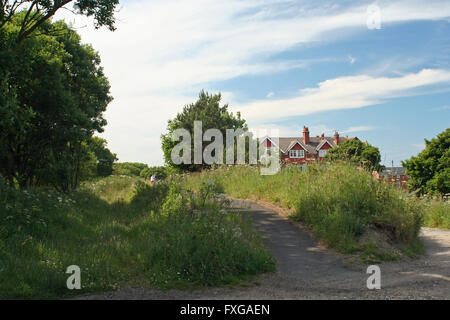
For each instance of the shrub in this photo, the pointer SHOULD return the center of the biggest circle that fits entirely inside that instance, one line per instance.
(129, 168)
(149, 197)
(160, 172)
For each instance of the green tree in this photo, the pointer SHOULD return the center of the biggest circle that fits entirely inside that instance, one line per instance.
(160, 172)
(104, 157)
(34, 13)
(429, 171)
(14, 121)
(213, 116)
(357, 152)
(55, 94)
(129, 168)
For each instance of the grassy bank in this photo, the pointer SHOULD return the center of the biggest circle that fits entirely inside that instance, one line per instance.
(436, 214)
(344, 206)
(121, 231)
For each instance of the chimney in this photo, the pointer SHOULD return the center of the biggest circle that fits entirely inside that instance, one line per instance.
(336, 138)
(305, 135)
(322, 136)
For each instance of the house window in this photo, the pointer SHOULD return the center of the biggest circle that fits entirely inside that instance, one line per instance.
(323, 153)
(296, 154)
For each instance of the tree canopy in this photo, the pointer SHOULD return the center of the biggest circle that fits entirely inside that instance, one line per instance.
(52, 97)
(357, 152)
(429, 171)
(213, 116)
(34, 13)
(129, 168)
(104, 157)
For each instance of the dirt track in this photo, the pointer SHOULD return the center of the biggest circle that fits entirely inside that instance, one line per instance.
(308, 271)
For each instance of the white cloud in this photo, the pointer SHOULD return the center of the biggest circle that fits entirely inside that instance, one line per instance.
(296, 131)
(316, 130)
(359, 129)
(395, 65)
(319, 129)
(163, 52)
(180, 43)
(274, 130)
(136, 123)
(343, 93)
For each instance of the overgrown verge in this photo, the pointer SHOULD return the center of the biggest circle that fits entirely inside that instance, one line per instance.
(436, 213)
(345, 207)
(121, 231)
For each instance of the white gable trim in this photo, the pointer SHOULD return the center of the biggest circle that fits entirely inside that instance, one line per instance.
(296, 142)
(322, 143)
(268, 138)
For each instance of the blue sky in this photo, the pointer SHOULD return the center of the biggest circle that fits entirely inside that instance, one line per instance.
(283, 64)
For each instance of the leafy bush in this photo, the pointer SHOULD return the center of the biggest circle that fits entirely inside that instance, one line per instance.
(160, 172)
(149, 197)
(430, 169)
(129, 168)
(357, 152)
(104, 157)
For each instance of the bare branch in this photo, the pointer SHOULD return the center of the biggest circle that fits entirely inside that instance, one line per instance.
(71, 10)
(36, 13)
(24, 22)
(26, 32)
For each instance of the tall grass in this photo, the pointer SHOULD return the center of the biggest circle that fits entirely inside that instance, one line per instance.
(115, 230)
(338, 201)
(437, 214)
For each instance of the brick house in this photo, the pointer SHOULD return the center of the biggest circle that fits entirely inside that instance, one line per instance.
(394, 175)
(303, 149)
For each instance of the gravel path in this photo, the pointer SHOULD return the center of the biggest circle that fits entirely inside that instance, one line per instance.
(308, 271)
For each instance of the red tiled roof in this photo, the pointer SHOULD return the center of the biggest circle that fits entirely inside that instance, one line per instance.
(285, 143)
